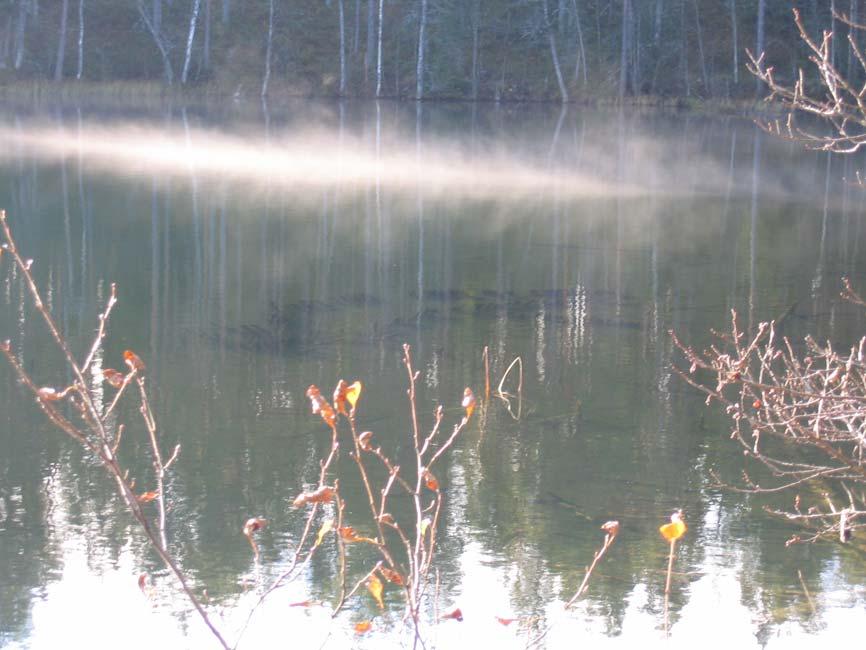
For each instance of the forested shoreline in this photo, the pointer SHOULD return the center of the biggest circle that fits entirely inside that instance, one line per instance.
(501, 50)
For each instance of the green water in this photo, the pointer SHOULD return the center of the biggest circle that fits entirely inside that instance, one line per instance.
(239, 293)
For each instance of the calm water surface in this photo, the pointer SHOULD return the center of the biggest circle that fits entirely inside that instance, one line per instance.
(241, 289)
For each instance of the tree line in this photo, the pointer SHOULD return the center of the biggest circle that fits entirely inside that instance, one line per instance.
(465, 49)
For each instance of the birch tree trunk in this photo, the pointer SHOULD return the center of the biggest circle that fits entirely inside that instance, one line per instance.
(193, 22)
(701, 49)
(624, 47)
(419, 70)
(371, 39)
(476, 19)
(61, 42)
(581, 53)
(759, 45)
(342, 48)
(80, 67)
(20, 29)
(268, 48)
(551, 41)
(160, 44)
(379, 48)
(356, 36)
(7, 42)
(157, 15)
(734, 41)
(657, 29)
(205, 63)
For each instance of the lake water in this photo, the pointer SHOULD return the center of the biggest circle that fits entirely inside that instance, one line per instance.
(255, 257)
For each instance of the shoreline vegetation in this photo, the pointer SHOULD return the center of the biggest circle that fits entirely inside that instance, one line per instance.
(155, 95)
(587, 52)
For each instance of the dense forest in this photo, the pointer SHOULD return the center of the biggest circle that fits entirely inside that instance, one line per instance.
(467, 49)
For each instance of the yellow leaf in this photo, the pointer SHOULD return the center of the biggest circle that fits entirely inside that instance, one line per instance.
(425, 524)
(326, 528)
(353, 393)
(375, 586)
(674, 530)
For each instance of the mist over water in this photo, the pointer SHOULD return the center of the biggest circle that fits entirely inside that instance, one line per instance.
(255, 259)
(584, 156)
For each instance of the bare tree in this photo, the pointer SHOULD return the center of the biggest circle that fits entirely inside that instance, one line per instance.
(268, 48)
(813, 403)
(735, 44)
(843, 105)
(20, 32)
(625, 44)
(422, 42)
(342, 47)
(379, 50)
(551, 41)
(79, 70)
(61, 42)
(160, 42)
(193, 22)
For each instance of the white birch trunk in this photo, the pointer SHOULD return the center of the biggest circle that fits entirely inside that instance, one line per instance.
(20, 29)
(759, 45)
(551, 40)
(206, 50)
(624, 45)
(356, 36)
(342, 48)
(157, 15)
(734, 41)
(61, 42)
(476, 19)
(580, 64)
(267, 78)
(419, 70)
(371, 39)
(701, 49)
(379, 48)
(160, 44)
(80, 68)
(193, 22)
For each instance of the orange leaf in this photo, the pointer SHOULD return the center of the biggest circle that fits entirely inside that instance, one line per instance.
(146, 497)
(340, 397)
(505, 621)
(133, 360)
(362, 627)
(321, 406)
(468, 402)
(676, 529)
(350, 535)
(302, 603)
(113, 377)
(611, 527)
(323, 495)
(142, 582)
(49, 394)
(391, 576)
(453, 613)
(364, 440)
(374, 585)
(430, 481)
(253, 525)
